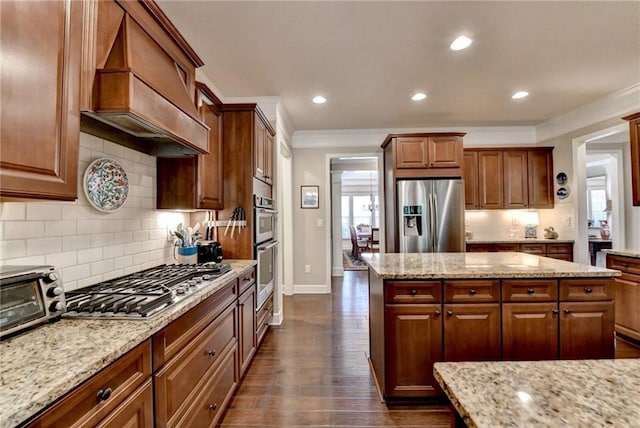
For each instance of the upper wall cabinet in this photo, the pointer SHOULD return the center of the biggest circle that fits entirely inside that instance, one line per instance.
(40, 69)
(263, 153)
(196, 182)
(634, 136)
(139, 77)
(509, 178)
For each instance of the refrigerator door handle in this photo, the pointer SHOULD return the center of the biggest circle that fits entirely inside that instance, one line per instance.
(431, 224)
(436, 222)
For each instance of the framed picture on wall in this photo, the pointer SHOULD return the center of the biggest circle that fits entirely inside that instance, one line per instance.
(309, 197)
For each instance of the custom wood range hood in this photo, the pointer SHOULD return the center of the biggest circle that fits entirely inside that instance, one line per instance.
(139, 80)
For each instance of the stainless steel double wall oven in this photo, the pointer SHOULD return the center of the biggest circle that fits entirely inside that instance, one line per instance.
(265, 246)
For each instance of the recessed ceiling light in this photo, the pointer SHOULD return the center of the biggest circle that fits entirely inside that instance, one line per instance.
(419, 96)
(520, 94)
(460, 43)
(319, 99)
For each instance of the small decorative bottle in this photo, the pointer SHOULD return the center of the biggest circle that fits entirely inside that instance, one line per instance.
(605, 233)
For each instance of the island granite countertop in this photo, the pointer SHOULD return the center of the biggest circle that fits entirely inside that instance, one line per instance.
(40, 366)
(477, 265)
(577, 393)
(625, 253)
(519, 241)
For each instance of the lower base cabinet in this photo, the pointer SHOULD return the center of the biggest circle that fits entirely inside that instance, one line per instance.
(247, 316)
(586, 330)
(264, 317)
(530, 331)
(135, 412)
(627, 292)
(472, 332)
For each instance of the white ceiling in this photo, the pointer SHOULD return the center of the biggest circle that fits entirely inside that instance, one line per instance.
(368, 57)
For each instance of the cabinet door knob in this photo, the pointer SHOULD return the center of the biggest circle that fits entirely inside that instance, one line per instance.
(555, 311)
(213, 407)
(472, 292)
(588, 290)
(414, 292)
(212, 353)
(104, 394)
(531, 291)
(437, 312)
(625, 264)
(567, 311)
(449, 313)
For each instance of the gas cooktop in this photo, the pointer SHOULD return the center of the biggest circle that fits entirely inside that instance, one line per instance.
(142, 294)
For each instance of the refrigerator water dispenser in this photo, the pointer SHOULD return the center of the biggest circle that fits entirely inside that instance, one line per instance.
(412, 220)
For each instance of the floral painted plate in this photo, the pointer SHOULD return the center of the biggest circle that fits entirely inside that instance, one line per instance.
(106, 185)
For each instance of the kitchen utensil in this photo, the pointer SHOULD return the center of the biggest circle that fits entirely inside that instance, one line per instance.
(196, 227)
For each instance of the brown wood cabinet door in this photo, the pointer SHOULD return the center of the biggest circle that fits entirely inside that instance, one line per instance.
(472, 332)
(627, 308)
(258, 149)
(490, 182)
(247, 316)
(413, 342)
(530, 331)
(540, 179)
(515, 179)
(412, 152)
(40, 99)
(634, 141)
(586, 330)
(470, 176)
(268, 157)
(444, 152)
(210, 166)
(135, 412)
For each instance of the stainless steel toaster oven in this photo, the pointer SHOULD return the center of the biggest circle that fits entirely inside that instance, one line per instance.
(29, 295)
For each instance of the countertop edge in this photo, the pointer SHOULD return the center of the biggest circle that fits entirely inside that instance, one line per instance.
(635, 254)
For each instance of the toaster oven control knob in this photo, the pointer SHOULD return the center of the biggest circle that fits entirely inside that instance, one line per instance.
(56, 307)
(54, 291)
(52, 277)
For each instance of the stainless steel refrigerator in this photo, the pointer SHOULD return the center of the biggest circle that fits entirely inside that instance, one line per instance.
(431, 215)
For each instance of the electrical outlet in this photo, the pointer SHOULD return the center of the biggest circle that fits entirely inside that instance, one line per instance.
(307, 268)
(170, 237)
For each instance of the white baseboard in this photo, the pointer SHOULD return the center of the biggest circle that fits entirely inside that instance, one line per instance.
(311, 289)
(277, 318)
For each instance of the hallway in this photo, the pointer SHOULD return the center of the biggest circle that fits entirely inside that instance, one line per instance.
(312, 371)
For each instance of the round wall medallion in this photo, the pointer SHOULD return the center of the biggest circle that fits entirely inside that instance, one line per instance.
(106, 185)
(561, 178)
(563, 193)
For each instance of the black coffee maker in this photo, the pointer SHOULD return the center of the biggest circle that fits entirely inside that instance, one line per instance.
(209, 251)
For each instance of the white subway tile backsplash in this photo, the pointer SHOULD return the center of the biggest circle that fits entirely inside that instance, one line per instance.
(13, 211)
(60, 228)
(87, 245)
(50, 211)
(62, 260)
(36, 247)
(90, 255)
(23, 229)
(12, 249)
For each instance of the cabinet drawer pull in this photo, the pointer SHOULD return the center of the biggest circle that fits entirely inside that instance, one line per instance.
(472, 292)
(437, 312)
(588, 290)
(212, 353)
(531, 291)
(555, 311)
(104, 394)
(213, 407)
(449, 313)
(567, 311)
(414, 292)
(624, 264)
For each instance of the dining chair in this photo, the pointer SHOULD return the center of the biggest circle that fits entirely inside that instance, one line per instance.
(357, 245)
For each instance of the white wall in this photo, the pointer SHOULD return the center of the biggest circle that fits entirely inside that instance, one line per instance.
(90, 246)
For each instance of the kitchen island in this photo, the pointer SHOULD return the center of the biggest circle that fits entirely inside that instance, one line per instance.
(40, 366)
(583, 393)
(427, 308)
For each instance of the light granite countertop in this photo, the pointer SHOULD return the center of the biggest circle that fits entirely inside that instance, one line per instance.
(520, 241)
(626, 253)
(39, 366)
(477, 265)
(579, 393)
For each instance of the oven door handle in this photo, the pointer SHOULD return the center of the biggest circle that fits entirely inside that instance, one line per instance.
(267, 247)
(266, 210)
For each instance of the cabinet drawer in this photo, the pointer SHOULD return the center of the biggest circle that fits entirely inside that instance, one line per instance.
(467, 291)
(208, 407)
(624, 264)
(82, 408)
(506, 247)
(576, 290)
(265, 314)
(529, 290)
(480, 248)
(559, 249)
(559, 256)
(174, 337)
(532, 248)
(176, 382)
(247, 279)
(413, 292)
(135, 412)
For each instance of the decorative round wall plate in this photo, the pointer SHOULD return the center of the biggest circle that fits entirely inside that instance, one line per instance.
(106, 185)
(563, 193)
(561, 178)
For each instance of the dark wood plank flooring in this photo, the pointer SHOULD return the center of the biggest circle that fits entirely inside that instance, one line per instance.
(312, 371)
